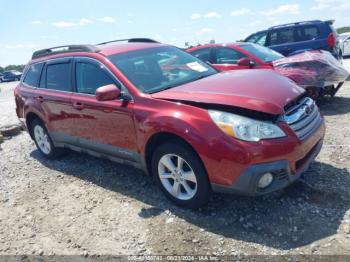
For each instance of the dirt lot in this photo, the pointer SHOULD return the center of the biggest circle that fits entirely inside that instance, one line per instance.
(87, 206)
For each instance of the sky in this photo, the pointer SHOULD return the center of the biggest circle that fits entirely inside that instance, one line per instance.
(29, 25)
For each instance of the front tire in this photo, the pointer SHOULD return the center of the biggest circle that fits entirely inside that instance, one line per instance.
(181, 175)
(43, 140)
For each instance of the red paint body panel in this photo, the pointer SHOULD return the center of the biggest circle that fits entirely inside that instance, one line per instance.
(130, 125)
(259, 90)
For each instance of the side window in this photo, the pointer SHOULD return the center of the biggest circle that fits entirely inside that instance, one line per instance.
(58, 77)
(202, 54)
(307, 33)
(33, 75)
(89, 77)
(228, 56)
(282, 36)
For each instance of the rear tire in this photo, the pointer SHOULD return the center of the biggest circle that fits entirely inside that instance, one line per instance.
(181, 175)
(43, 140)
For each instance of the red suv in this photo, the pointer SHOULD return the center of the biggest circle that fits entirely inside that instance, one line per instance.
(158, 108)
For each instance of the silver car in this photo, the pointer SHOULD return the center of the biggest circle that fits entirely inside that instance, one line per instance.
(344, 40)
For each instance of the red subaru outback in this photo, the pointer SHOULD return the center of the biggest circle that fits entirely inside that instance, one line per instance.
(161, 109)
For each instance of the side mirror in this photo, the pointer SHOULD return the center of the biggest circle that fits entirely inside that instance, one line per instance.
(245, 61)
(108, 92)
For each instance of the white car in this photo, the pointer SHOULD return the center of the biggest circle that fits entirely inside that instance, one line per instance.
(344, 40)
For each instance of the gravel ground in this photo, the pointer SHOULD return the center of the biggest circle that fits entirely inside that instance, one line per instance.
(7, 105)
(88, 206)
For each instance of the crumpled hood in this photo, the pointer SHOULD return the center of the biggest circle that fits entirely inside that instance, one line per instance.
(259, 90)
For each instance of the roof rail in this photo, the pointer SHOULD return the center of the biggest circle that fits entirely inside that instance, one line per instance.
(296, 23)
(64, 49)
(131, 40)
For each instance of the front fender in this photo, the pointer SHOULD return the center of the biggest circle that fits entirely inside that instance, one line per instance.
(177, 123)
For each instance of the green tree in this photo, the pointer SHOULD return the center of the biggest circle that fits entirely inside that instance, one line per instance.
(14, 68)
(343, 29)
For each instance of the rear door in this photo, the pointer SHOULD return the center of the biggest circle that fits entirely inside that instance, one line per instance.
(103, 126)
(54, 94)
(282, 40)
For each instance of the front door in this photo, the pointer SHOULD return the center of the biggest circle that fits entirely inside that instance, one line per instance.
(227, 59)
(103, 126)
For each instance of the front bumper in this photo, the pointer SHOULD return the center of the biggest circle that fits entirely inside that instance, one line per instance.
(247, 182)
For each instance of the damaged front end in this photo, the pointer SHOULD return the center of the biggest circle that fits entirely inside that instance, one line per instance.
(318, 72)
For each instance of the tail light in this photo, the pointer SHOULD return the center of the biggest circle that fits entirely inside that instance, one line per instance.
(331, 40)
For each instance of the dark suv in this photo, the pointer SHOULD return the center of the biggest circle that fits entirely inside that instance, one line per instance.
(294, 38)
(9, 76)
(161, 109)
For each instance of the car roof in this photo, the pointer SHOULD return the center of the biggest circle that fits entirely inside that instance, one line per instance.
(310, 22)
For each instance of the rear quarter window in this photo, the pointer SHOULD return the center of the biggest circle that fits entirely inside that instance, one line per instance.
(33, 75)
(307, 33)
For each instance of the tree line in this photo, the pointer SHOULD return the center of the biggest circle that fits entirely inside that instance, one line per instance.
(12, 68)
(344, 29)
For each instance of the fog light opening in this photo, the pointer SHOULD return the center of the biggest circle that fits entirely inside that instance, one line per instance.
(265, 180)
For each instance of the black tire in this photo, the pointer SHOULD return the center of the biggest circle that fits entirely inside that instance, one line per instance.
(54, 152)
(203, 189)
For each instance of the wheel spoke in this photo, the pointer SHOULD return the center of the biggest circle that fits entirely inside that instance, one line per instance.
(166, 176)
(176, 189)
(180, 163)
(168, 163)
(190, 176)
(187, 188)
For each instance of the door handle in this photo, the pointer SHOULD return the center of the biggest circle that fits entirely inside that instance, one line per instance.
(78, 105)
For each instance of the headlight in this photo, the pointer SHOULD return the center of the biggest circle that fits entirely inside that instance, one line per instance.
(245, 128)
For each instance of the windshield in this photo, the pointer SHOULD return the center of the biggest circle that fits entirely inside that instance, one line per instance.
(155, 69)
(263, 53)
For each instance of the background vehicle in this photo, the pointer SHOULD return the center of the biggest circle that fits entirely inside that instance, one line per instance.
(9, 76)
(234, 56)
(344, 40)
(294, 38)
(161, 109)
(316, 71)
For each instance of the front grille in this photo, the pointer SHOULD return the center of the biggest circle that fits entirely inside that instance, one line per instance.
(303, 117)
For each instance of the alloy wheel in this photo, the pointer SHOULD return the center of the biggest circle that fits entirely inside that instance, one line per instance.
(42, 139)
(177, 177)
